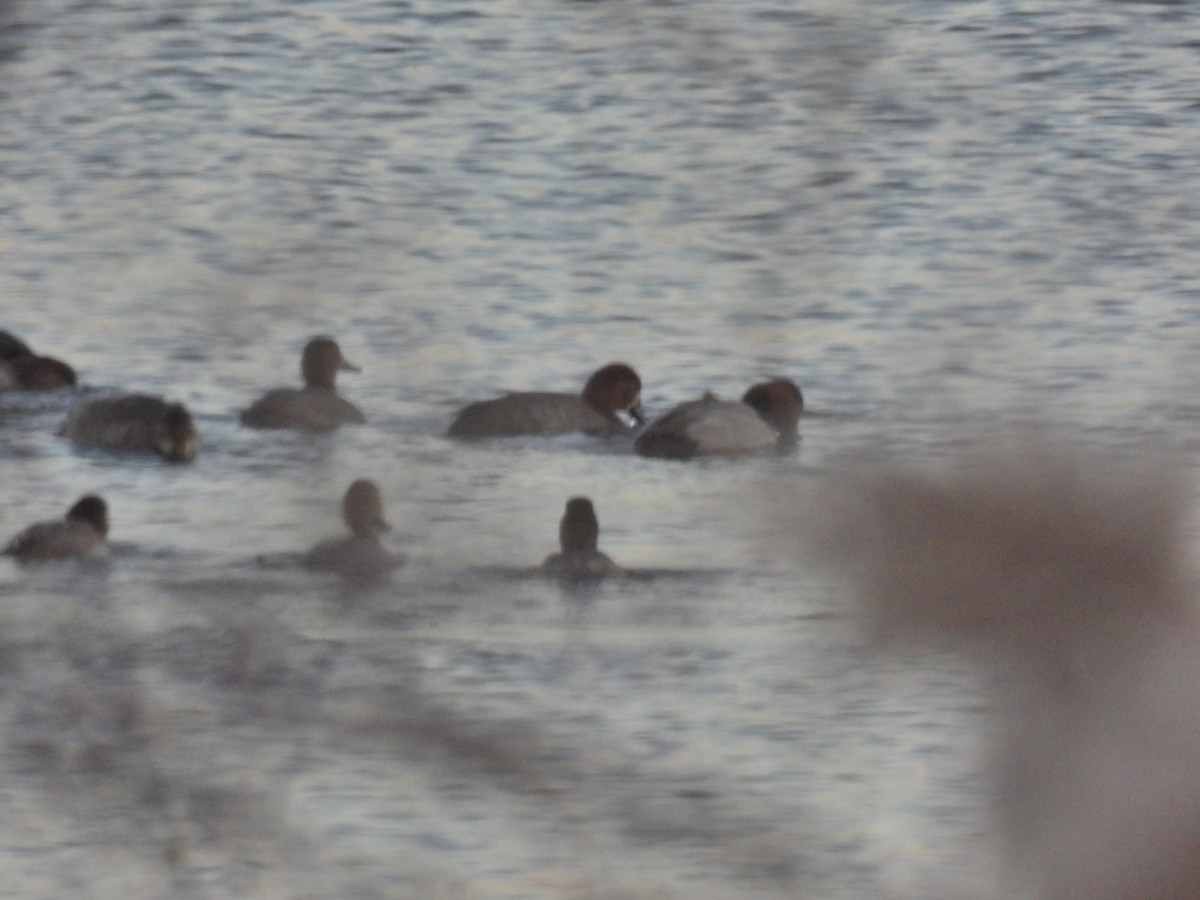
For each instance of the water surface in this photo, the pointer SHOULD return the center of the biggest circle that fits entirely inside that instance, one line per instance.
(937, 219)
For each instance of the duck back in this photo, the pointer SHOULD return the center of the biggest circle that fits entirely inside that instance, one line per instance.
(36, 373)
(580, 565)
(56, 540)
(529, 412)
(12, 346)
(81, 533)
(354, 558)
(137, 422)
(310, 408)
(706, 427)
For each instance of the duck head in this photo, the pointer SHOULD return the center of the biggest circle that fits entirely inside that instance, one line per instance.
(321, 362)
(615, 387)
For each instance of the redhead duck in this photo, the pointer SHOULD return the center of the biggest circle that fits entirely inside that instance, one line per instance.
(578, 532)
(616, 387)
(21, 368)
(137, 422)
(360, 555)
(314, 407)
(766, 417)
(81, 533)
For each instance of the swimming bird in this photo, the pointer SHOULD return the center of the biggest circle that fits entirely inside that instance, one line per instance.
(766, 417)
(36, 373)
(611, 389)
(578, 534)
(360, 555)
(12, 346)
(81, 533)
(21, 368)
(314, 407)
(136, 422)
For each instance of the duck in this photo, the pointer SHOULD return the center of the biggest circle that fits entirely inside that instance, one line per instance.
(314, 407)
(578, 534)
(766, 417)
(360, 555)
(81, 533)
(12, 346)
(136, 422)
(611, 389)
(22, 369)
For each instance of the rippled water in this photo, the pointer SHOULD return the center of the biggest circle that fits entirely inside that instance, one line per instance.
(937, 218)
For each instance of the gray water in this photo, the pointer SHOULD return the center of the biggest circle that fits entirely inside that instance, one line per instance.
(940, 219)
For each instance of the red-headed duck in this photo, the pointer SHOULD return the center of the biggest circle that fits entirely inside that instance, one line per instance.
(578, 533)
(610, 390)
(360, 555)
(136, 422)
(81, 533)
(23, 369)
(766, 417)
(314, 407)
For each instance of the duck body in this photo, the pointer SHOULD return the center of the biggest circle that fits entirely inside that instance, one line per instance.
(578, 559)
(12, 346)
(308, 409)
(360, 555)
(580, 565)
(705, 427)
(22, 369)
(315, 407)
(611, 389)
(529, 412)
(135, 422)
(81, 533)
(35, 373)
(353, 557)
(765, 418)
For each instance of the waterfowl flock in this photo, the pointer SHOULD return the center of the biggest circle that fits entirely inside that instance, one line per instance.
(610, 404)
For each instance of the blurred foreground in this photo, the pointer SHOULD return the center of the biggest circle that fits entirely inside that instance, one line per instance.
(1067, 578)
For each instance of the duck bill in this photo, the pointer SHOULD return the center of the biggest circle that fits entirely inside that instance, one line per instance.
(346, 366)
(637, 413)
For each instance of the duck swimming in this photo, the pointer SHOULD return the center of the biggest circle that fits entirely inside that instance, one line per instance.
(135, 422)
(81, 533)
(359, 556)
(766, 417)
(12, 346)
(314, 407)
(22, 369)
(578, 534)
(611, 389)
